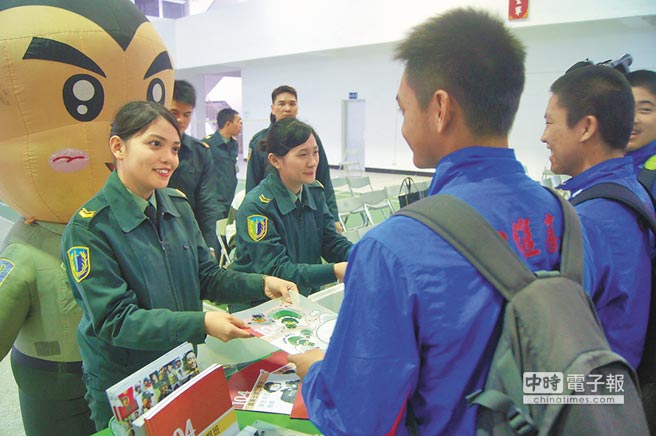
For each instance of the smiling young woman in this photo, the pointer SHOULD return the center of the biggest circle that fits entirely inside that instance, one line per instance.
(284, 226)
(138, 264)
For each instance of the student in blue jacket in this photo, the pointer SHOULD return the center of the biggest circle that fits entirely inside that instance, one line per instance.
(642, 142)
(417, 324)
(589, 119)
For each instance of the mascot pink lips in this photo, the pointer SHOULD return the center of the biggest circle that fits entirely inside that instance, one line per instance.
(68, 160)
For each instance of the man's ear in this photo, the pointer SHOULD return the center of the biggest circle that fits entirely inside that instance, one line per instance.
(117, 147)
(589, 126)
(442, 105)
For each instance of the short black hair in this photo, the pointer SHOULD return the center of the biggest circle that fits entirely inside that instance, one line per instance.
(602, 92)
(225, 115)
(474, 57)
(134, 117)
(644, 79)
(281, 90)
(287, 134)
(184, 92)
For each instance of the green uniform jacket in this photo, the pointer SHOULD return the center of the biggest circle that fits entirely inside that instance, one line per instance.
(258, 163)
(225, 167)
(275, 237)
(195, 177)
(141, 296)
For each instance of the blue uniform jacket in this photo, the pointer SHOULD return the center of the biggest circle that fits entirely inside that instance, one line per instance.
(624, 309)
(417, 319)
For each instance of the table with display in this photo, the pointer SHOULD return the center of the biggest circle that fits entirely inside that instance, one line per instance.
(235, 352)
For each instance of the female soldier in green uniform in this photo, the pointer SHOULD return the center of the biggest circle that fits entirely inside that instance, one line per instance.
(284, 226)
(140, 276)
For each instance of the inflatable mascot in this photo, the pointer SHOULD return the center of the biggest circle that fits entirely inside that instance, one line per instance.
(66, 66)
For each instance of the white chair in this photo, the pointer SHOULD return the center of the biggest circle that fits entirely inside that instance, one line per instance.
(341, 187)
(349, 206)
(360, 184)
(393, 197)
(224, 257)
(377, 201)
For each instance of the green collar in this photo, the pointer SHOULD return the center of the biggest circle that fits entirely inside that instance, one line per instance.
(225, 139)
(284, 197)
(125, 207)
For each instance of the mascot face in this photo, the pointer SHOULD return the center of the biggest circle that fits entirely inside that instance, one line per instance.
(66, 66)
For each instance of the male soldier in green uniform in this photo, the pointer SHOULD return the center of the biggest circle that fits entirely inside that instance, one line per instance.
(224, 149)
(195, 175)
(284, 105)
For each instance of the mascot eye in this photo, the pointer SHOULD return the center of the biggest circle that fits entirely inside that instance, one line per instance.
(83, 97)
(156, 91)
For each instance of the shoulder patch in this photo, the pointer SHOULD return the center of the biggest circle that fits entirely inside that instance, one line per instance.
(6, 267)
(86, 213)
(205, 144)
(257, 227)
(80, 262)
(263, 199)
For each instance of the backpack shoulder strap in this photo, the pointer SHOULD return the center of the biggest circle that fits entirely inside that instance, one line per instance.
(647, 177)
(621, 194)
(470, 234)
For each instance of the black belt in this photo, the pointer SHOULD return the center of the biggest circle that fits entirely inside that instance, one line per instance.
(45, 365)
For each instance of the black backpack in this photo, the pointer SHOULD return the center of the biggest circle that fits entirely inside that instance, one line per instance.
(647, 368)
(549, 325)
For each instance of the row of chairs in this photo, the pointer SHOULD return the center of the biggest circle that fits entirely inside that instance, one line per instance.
(350, 186)
(367, 207)
(356, 198)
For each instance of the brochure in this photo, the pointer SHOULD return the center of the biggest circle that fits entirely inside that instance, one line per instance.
(241, 383)
(274, 393)
(294, 328)
(201, 407)
(133, 396)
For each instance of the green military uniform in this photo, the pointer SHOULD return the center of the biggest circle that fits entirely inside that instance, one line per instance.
(225, 167)
(277, 237)
(195, 177)
(39, 316)
(258, 163)
(140, 293)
